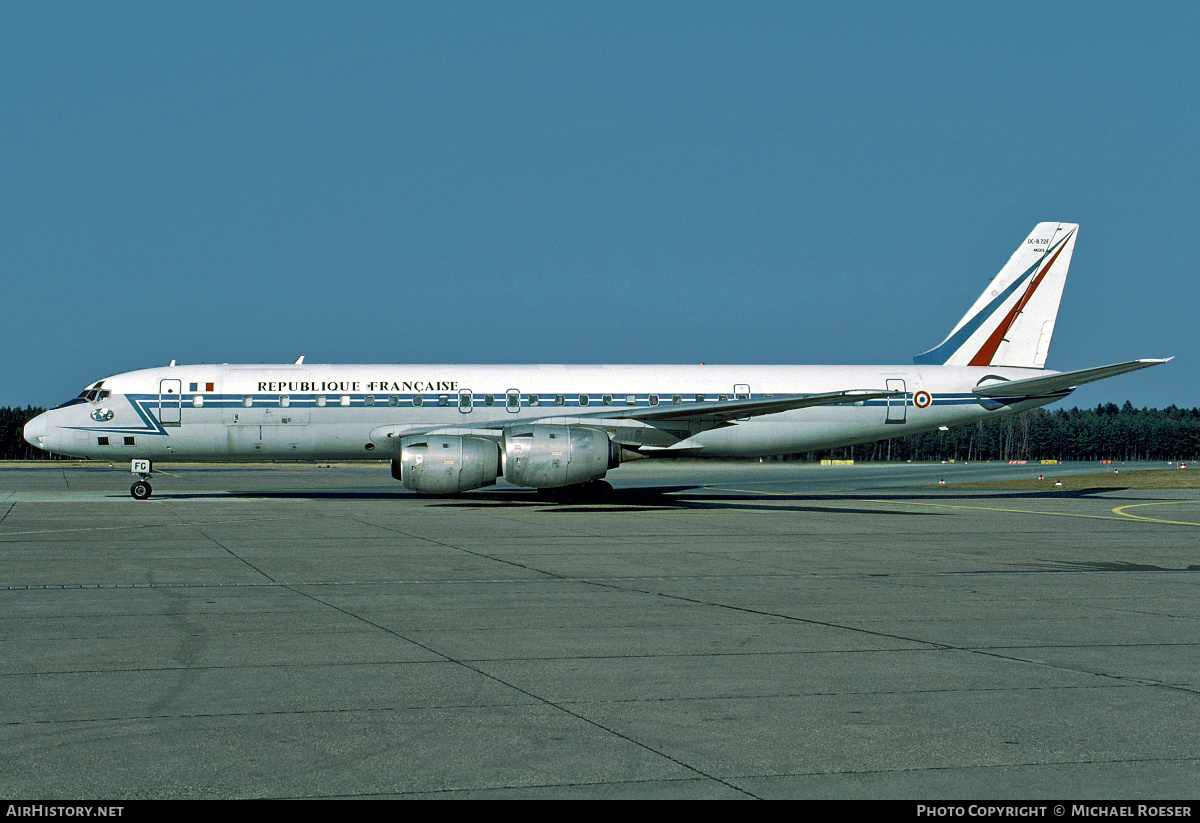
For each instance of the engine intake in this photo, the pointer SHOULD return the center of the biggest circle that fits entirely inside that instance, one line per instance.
(551, 457)
(432, 464)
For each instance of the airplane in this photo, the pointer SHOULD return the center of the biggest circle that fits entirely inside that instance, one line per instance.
(561, 428)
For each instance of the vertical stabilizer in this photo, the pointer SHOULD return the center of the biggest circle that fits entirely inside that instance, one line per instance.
(1012, 321)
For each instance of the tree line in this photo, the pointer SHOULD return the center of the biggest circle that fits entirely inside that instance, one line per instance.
(12, 442)
(1103, 433)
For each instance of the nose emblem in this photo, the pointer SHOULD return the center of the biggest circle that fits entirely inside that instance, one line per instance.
(101, 415)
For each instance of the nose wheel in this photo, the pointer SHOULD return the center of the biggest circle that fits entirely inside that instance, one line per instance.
(140, 490)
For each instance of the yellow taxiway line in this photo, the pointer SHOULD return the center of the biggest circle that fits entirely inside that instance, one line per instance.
(1119, 511)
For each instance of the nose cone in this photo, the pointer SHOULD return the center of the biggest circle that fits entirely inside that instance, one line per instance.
(35, 431)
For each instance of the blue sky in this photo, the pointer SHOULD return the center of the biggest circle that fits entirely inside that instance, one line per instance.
(587, 183)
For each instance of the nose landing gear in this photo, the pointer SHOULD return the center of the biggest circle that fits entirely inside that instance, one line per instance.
(141, 489)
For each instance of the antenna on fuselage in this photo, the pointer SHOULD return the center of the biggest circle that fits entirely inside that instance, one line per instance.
(299, 360)
(172, 363)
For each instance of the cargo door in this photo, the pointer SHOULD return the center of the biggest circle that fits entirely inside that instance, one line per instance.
(268, 423)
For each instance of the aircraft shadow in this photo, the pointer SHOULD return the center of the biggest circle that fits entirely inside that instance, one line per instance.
(694, 497)
(655, 498)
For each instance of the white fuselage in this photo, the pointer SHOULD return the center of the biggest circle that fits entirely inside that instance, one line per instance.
(346, 412)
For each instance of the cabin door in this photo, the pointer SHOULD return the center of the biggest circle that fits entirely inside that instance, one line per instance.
(169, 402)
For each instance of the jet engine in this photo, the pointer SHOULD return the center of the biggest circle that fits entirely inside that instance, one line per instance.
(553, 457)
(436, 464)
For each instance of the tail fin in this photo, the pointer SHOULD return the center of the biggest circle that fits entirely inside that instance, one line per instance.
(1012, 321)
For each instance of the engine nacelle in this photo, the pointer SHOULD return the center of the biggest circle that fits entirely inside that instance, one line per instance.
(440, 464)
(551, 457)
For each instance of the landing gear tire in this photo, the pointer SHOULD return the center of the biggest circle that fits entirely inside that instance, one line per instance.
(595, 491)
(567, 494)
(141, 490)
(598, 491)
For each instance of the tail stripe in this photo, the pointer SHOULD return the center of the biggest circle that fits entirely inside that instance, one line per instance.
(985, 354)
(939, 355)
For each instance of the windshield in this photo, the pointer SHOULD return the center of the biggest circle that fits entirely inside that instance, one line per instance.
(94, 395)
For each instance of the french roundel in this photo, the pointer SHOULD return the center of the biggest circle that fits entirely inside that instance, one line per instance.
(922, 400)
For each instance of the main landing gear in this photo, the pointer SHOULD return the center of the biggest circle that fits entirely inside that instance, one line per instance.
(141, 490)
(595, 491)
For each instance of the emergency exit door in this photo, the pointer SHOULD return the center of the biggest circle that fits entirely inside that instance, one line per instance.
(897, 405)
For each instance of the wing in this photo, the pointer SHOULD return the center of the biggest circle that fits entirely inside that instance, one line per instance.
(725, 410)
(1062, 381)
(702, 416)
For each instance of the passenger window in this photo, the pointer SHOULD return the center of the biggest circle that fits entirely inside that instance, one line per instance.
(464, 400)
(677, 400)
(284, 400)
(533, 400)
(197, 401)
(393, 400)
(699, 398)
(722, 397)
(654, 400)
(418, 399)
(443, 400)
(345, 401)
(630, 400)
(369, 400)
(607, 400)
(489, 400)
(512, 400)
(248, 400)
(583, 399)
(559, 400)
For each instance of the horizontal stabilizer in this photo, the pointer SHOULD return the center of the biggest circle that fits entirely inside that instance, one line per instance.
(1062, 381)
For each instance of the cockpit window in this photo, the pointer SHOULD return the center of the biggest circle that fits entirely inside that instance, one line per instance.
(75, 401)
(91, 395)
